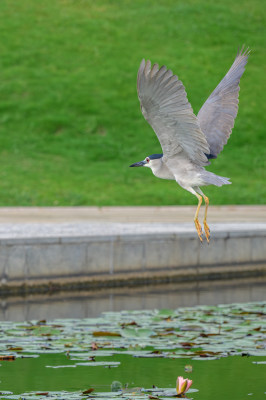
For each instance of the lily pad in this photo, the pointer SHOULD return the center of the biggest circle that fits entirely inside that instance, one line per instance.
(204, 332)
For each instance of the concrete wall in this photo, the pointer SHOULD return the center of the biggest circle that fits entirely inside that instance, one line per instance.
(133, 254)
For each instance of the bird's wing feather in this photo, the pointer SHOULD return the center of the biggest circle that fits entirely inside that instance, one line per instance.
(165, 106)
(217, 115)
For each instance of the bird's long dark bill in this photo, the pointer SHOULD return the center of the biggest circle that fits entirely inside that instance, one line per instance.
(138, 164)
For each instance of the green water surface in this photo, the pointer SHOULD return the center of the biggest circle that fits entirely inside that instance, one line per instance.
(235, 377)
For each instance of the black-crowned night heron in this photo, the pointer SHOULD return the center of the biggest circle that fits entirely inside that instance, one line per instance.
(188, 142)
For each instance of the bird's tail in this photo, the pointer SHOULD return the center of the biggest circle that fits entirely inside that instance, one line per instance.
(212, 179)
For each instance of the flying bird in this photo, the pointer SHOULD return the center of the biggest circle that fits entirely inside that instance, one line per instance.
(188, 141)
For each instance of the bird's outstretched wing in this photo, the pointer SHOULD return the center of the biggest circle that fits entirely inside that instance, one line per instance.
(165, 106)
(217, 115)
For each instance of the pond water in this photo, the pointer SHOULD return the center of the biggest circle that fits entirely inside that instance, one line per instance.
(221, 348)
(235, 378)
(85, 304)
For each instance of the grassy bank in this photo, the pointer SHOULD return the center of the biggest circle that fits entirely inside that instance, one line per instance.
(70, 122)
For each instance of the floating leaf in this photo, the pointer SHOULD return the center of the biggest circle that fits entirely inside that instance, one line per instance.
(103, 333)
(219, 331)
(116, 386)
(137, 333)
(15, 348)
(60, 366)
(88, 391)
(7, 357)
(100, 364)
(188, 368)
(259, 362)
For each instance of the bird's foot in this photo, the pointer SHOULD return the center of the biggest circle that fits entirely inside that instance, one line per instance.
(207, 231)
(198, 228)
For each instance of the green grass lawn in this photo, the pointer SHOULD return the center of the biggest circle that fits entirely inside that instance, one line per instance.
(70, 122)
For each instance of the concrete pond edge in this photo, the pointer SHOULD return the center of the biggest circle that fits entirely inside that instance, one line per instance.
(42, 258)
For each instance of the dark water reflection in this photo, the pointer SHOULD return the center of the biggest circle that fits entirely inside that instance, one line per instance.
(85, 304)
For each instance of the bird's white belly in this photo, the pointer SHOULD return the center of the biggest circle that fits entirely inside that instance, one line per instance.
(185, 172)
(182, 170)
(189, 180)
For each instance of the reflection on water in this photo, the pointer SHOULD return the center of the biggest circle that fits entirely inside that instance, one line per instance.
(85, 304)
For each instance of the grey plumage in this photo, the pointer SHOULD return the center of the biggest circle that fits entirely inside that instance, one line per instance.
(217, 115)
(188, 142)
(165, 106)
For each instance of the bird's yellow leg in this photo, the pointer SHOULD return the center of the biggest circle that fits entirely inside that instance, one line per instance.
(196, 219)
(206, 226)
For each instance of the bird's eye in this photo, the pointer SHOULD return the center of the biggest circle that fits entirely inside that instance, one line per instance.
(147, 159)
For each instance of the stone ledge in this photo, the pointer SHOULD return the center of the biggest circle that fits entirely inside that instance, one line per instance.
(123, 253)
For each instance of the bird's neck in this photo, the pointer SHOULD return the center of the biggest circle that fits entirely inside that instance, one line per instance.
(160, 170)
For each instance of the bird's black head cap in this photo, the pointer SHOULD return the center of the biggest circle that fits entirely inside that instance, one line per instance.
(154, 156)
